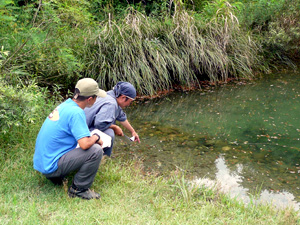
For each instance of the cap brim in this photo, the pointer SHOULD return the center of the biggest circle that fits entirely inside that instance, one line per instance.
(130, 98)
(101, 93)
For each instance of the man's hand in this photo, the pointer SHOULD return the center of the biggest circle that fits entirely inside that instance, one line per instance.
(87, 142)
(100, 142)
(136, 137)
(128, 126)
(118, 131)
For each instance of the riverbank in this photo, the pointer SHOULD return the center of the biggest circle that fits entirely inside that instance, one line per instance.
(128, 197)
(205, 85)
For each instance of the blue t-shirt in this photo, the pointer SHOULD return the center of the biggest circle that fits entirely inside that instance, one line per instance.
(59, 135)
(104, 113)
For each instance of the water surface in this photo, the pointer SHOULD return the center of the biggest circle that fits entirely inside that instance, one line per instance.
(245, 137)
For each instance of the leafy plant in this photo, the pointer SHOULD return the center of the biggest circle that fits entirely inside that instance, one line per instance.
(258, 13)
(6, 15)
(21, 104)
(3, 55)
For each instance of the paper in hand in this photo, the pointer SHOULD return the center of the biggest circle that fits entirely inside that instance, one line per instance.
(127, 139)
(132, 138)
(104, 137)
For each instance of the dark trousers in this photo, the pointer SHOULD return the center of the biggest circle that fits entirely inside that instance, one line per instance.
(111, 133)
(85, 162)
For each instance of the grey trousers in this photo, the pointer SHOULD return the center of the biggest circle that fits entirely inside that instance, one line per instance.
(85, 162)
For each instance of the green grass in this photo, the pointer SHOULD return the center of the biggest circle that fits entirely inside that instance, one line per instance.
(128, 196)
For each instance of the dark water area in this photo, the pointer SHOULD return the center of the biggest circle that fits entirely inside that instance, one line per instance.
(242, 138)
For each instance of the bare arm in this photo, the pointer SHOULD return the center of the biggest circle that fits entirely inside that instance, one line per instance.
(87, 142)
(118, 130)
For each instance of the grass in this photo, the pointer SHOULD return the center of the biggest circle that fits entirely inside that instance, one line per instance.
(128, 196)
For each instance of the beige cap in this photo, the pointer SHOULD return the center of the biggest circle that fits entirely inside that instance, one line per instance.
(89, 87)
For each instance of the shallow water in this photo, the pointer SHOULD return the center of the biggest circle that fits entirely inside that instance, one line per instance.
(244, 137)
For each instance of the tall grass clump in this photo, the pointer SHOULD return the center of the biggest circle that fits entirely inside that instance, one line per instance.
(181, 48)
(232, 52)
(135, 50)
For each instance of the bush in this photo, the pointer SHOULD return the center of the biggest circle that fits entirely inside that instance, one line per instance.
(258, 13)
(22, 104)
(276, 26)
(282, 40)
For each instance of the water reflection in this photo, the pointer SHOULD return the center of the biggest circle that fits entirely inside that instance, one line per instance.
(230, 181)
(254, 127)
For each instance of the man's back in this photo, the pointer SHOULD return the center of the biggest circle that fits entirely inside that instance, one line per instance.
(58, 135)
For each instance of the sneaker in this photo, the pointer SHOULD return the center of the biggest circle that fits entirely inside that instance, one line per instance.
(83, 193)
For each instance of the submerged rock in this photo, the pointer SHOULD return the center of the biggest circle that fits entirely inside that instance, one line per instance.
(226, 148)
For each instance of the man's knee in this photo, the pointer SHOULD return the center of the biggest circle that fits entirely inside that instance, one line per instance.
(111, 133)
(97, 151)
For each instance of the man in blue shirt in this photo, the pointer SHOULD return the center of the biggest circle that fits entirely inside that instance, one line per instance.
(106, 111)
(56, 152)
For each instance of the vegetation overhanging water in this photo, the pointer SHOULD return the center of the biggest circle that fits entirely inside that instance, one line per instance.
(246, 137)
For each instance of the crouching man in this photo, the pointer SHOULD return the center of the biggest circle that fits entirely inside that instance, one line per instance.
(56, 152)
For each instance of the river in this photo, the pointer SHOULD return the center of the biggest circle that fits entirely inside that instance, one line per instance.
(242, 138)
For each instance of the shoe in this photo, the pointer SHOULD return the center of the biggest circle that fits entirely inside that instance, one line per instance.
(82, 193)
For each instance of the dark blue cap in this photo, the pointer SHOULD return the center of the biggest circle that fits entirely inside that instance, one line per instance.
(124, 88)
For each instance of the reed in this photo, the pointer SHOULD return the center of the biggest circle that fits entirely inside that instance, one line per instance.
(131, 51)
(178, 47)
(155, 55)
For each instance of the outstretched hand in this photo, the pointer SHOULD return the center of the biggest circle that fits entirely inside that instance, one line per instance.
(136, 137)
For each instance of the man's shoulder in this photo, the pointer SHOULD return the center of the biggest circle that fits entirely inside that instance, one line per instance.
(70, 107)
(108, 100)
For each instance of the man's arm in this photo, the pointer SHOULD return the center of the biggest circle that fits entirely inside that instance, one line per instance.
(118, 130)
(87, 142)
(128, 126)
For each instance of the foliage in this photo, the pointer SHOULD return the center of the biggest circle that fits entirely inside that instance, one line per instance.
(21, 104)
(153, 44)
(73, 13)
(282, 40)
(276, 26)
(45, 43)
(6, 15)
(258, 13)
